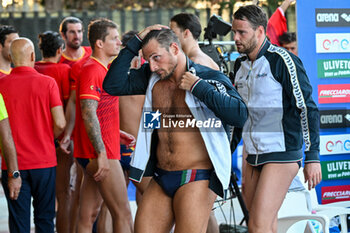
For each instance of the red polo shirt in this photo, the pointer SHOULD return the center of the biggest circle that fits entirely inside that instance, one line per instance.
(29, 97)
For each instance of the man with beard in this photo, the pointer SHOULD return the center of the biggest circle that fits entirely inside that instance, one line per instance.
(71, 30)
(75, 55)
(189, 165)
(274, 85)
(7, 35)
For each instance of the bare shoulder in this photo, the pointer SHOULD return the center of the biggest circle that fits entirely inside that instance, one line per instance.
(203, 59)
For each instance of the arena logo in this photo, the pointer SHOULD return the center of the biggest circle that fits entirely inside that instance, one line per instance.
(335, 194)
(334, 93)
(334, 144)
(332, 42)
(335, 118)
(332, 119)
(332, 17)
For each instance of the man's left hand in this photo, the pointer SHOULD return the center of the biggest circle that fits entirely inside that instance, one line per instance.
(187, 81)
(312, 174)
(14, 186)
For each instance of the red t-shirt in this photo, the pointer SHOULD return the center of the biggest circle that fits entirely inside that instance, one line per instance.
(29, 97)
(60, 72)
(89, 86)
(70, 61)
(75, 72)
(3, 73)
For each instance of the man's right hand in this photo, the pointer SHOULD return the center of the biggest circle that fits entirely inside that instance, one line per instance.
(64, 144)
(102, 167)
(145, 31)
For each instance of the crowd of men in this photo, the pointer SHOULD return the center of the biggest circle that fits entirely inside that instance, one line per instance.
(72, 126)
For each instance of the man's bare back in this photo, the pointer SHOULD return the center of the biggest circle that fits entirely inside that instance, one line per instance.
(175, 150)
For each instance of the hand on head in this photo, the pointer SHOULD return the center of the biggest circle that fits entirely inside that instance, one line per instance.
(145, 31)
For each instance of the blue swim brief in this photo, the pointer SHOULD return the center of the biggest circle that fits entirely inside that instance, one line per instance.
(171, 181)
(125, 156)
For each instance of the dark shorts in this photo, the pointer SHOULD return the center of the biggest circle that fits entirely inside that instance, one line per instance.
(259, 167)
(125, 156)
(83, 162)
(171, 181)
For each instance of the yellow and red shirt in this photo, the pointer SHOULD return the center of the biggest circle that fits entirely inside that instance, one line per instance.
(89, 86)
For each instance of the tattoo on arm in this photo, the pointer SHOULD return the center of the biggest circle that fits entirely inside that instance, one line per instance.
(92, 125)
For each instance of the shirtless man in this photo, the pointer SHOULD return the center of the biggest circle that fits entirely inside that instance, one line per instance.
(194, 154)
(188, 29)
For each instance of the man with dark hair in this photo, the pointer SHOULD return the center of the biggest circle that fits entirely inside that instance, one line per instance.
(274, 85)
(288, 40)
(190, 164)
(36, 118)
(51, 46)
(75, 55)
(71, 29)
(188, 29)
(96, 135)
(7, 35)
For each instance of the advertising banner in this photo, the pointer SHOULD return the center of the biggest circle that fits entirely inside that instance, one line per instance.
(338, 118)
(334, 144)
(335, 194)
(333, 68)
(334, 93)
(332, 17)
(332, 170)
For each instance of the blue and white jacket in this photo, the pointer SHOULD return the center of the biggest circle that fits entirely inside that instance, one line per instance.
(282, 113)
(212, 97)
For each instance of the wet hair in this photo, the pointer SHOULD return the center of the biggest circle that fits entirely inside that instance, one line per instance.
(66, 21)
(253, 14)
(127, 36)
(49, 42)
(98, 30)
(4, 31)
(287, 37)
(188, 21)
(165, 37)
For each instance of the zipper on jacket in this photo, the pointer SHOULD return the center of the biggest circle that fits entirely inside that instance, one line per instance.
(251, 120)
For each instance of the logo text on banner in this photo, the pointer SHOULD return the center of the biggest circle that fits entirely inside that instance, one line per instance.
(332, 17)
(337, 118)
(333, 68)
(332, 170)
(334, 93)
(332, 42)
(335, 194)
(335, 144)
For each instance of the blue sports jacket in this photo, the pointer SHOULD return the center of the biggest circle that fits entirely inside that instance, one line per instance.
(212, 97)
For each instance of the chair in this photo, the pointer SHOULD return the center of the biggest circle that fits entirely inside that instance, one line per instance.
(294, 214)
(323, 213)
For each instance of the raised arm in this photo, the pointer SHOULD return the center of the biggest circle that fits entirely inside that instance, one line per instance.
(220, 97)
(120, 79)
